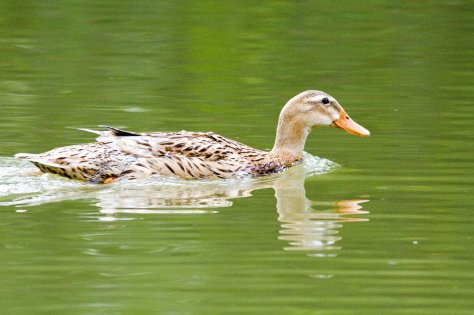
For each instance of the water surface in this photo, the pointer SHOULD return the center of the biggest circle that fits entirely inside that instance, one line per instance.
(387, 230)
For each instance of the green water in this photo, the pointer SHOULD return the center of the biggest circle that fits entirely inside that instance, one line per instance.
(388, 230)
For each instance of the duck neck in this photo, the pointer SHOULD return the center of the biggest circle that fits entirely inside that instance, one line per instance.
(290, 140)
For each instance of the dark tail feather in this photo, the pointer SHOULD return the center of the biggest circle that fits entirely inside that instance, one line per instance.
(115, 131)
(121, 133)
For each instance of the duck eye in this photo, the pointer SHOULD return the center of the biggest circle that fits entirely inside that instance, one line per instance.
(325, 100)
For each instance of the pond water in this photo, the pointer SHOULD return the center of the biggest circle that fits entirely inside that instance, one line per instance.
(367, 225)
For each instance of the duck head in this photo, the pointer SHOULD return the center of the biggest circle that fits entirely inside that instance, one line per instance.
(315, 108)
(304, 112)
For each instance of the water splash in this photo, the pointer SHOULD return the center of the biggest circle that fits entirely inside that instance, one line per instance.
(314, 165)
(20, 178)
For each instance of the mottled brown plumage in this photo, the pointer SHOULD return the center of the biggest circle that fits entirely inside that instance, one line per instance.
(121, 154)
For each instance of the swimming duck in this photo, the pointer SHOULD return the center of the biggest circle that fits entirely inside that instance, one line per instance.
(119, 154)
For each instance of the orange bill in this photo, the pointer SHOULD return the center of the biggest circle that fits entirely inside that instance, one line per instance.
(346, 123)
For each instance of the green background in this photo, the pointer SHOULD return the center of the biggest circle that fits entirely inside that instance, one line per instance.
(402, 69)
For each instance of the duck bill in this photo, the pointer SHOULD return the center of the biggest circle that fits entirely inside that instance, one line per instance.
(346, 123)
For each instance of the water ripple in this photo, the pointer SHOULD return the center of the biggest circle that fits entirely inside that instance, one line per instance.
(302, 227)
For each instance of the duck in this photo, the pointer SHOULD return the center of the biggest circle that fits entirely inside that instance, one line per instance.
(125, 155)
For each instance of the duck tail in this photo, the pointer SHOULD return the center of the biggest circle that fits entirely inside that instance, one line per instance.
(25, 156)
(35, 159)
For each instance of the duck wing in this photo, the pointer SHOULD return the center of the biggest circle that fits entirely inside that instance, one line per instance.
(183, 154)
(119, 153)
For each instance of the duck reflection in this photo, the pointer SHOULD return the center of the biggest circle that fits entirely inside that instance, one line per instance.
(305, 224)
(308, 229)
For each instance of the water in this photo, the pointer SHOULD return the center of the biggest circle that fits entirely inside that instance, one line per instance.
(387, 228)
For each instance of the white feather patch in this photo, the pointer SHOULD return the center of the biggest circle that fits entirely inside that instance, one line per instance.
(319, 98)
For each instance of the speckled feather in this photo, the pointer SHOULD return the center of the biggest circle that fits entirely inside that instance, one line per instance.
(123, 154)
